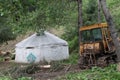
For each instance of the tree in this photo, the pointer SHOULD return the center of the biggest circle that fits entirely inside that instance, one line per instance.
(79, 14)
(79, 19)
(90, 12)
(80, 22)
(111, 25)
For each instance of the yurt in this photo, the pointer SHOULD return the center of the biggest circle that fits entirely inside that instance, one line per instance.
(46, 47)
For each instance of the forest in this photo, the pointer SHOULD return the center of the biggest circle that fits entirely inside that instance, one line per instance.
(20, 17)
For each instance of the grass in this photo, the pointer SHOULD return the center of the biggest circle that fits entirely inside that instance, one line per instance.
(73, 59)
(9, 78)
(96, 73)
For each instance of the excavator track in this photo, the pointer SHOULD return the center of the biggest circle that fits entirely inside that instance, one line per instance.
(84, 61)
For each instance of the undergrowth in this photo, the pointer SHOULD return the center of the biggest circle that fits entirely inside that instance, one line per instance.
(9, 78)
(73, 59)
(96, 73)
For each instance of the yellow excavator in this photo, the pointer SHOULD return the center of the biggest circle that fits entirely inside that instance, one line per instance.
(96, 46)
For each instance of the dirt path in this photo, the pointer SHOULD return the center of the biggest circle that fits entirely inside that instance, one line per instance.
(18, 70)
(53, 75)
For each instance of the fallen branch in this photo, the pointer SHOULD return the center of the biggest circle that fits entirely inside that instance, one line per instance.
(67, 69)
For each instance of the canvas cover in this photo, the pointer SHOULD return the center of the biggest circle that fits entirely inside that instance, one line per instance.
(38, 41)
(47, 47)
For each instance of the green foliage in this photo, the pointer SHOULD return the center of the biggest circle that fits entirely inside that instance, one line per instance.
(24, 15)
(114, 6)
(35, 13)
(25, 78)
(73, 43)
(9, 78)
(71, 36)
(73, 59)
(6, 34)
(5, 78)
(96, 73)
(90, 15)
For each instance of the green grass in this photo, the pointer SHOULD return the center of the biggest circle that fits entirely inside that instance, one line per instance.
(73, 59)
(9, 78)
(96, 73)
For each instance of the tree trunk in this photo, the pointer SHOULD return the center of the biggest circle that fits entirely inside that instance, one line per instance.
(79, 13)
(111, 25)
(79, 19)
(99, 20)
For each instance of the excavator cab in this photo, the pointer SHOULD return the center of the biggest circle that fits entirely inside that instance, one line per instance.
(96, 45)
(92, 35)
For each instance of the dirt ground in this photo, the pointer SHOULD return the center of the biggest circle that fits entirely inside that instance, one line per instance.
(37, 73)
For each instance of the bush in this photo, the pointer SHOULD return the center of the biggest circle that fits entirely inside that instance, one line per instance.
(6, 34)
(71, 36)
(96, 73)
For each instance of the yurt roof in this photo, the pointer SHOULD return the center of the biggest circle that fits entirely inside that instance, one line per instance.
(37, 41)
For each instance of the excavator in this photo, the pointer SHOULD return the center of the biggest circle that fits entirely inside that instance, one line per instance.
(96, 46)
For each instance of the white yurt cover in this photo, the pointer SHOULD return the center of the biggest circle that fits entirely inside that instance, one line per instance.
(47, 47)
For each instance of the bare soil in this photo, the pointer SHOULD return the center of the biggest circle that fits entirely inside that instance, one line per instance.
(17, 70)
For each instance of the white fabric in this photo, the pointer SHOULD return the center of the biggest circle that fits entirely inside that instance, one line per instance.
(45, 48)
(37, 41)
(22, 54)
